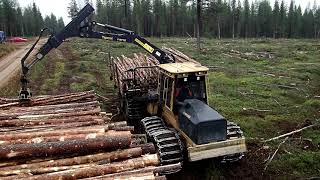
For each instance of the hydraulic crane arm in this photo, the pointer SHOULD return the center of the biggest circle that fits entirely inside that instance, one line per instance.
(73, 29)
(124, 35)
(81, 27)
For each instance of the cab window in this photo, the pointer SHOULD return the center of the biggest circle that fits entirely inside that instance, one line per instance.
(197, 86)
(167, 91)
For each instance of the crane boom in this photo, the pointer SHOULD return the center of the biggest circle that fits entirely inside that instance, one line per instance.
(81, 27)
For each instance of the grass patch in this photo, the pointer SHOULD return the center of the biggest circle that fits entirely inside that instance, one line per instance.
(5, 49)
(51, 83)
(302, 164)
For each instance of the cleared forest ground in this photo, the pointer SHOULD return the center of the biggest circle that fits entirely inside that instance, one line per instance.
(269, 87)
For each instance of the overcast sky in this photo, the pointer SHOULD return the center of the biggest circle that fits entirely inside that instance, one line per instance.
(59, 7)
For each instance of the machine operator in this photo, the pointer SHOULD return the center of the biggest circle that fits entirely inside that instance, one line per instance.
(183, 93)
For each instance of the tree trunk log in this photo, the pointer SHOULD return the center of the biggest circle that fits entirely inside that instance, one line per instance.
(131, 164)
(38, 140)
(94, 111)
(63, 99)
(50, 127)
(34, 122)
(60, 132)
(147, 175)
(53, 107)
(154, 169)
(110, 142)
(44, 167)
(146, 148)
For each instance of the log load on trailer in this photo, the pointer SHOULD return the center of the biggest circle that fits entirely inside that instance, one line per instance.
(137, 79)
(165, 93)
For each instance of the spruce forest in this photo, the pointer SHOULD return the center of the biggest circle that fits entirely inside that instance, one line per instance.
(17, 21)
(219, 18)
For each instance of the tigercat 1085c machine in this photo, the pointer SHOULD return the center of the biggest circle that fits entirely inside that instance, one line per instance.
(176, 116)
(205, 133)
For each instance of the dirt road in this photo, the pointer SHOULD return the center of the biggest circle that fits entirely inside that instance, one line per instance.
(10, 64)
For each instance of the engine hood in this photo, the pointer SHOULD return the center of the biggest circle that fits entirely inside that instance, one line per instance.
(199, 111)
(202, 123)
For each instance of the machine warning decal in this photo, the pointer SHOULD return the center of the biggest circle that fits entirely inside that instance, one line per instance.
(158, 53)
(145, 46)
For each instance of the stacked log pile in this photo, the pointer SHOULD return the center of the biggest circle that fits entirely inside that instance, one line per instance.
(141, 69)
(68, 137)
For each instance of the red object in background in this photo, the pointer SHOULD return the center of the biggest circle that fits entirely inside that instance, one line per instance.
(17, 39)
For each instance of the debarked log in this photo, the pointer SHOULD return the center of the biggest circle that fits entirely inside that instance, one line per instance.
(56, 138)
(131, 164)
(111, 142)
(71, 163)
(95, 111)
(137, 176)
(47, 113)
(34, 122)
(20, 173)
(51, 100)
(159, 169)
(51, 107)
(60, 132)
(50, 127)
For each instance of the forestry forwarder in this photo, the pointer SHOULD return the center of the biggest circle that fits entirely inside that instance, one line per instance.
(198, 129)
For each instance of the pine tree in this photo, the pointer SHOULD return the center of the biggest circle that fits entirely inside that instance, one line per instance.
(234, 13)
(290, 20)
(73, 9)
(47, 21)
(253, 20)
(19, 22)
(246, 18)
(9, 16)
(137, 16)
(239, 18)
(282, 19)
(182, 15)
(265, 19)
(297, 21)
(163, 20)
(276, 19)
(314, 11)
(60, 24)
(156, 17)
(101, 12)
(317, 22)
(53, 24)
(198, 23)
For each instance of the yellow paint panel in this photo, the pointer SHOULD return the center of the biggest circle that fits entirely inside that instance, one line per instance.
(217, 149)
(144, 45)
(186, 67)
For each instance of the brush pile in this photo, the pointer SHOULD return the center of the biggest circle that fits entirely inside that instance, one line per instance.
(141, 70)
(68, 137)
